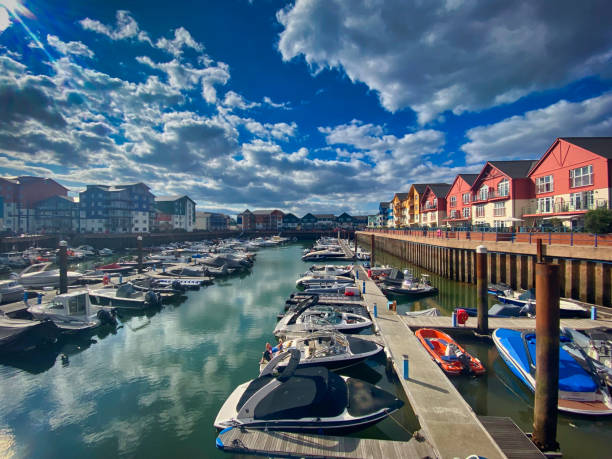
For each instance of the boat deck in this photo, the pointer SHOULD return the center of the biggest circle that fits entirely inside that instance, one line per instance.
(287, 444)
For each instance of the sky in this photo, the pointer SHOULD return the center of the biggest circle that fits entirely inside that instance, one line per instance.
(305, 106)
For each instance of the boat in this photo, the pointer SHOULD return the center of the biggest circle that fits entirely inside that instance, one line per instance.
(105, 252)
(73, 312)
(331, 287)
(114, 268)
(497, 289)
(326, 254)
(567, 308)
(312, 278)
(411, 288)
(43, 275)
(125, 297)
(10, 290)
(331, 270)
(395, 277)
(328, 348)
(449, 355)
(321, 317)
(580, 391)
(305, 399)
(19, 335)
(431, 312)
(14, 259)
(592, 347)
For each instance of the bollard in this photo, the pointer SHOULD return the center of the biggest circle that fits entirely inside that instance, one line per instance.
(39, 298)
(593, 312)
(25, 298)
(121, 278)
(357, 274)
(482, 299)
(375, 310)
(406, 367)
(154, 268)
(547, 357)
(139, 241)
(454, 319)
(363, 290)
(389, 304)
(63, 267)
(164, 269)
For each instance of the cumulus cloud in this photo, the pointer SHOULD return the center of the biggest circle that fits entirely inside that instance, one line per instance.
(5, 21)
(234, 100)
(529, 136)
(72, 47)
(126, 27)
(182, 39)
(271, 103)
(442, 55)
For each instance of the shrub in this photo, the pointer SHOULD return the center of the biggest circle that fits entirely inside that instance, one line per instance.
(598, 221)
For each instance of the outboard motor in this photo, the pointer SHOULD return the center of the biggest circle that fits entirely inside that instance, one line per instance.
(152, 298)
(177, 286)
(106, 317)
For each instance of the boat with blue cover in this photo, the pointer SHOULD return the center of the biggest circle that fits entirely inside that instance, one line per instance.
(580, 390)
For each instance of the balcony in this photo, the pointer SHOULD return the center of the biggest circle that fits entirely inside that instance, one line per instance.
(565, 207)
(493, 194)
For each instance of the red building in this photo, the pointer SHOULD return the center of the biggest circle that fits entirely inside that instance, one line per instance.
(501, 193)
(433, 204)
(19, 196)
(459, 201)
(270, 220)
(573, 176)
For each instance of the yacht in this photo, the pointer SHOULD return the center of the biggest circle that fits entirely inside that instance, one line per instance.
(10, 290)
(73, 312)
(305, 399)
(43, 275)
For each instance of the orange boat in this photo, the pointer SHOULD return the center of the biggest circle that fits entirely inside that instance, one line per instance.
(451, 357)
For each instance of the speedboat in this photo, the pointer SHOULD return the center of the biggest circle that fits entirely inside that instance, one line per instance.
(580, 391)
(105, 252)
(411, 289)
(72, 312)
(328, 287)
(497, 289)
(311, 278)
(305, 399)
(395, 277)
(321, 317)
(327, 348)
(114, 268)
(431, 312)
(42, 275)
(18, 335)
(593, 349)
(449, 355)
(10, 290)
(326, 254)
(125, 297)
(567, 307)
(331, 270)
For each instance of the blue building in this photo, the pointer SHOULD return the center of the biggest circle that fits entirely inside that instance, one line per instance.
(385, 215)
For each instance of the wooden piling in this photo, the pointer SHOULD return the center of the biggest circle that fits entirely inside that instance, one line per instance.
(63, 267)
(139, 241)
(547, 357)
(373, 243)
(482, 300)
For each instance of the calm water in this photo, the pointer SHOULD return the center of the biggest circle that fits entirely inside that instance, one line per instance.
(153, 387)
(499, 392)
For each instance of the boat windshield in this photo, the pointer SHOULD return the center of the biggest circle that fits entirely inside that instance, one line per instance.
(77, 305)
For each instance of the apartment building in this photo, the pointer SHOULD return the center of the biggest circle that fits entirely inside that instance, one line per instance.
(175, 213)
(459, 201)
(211, 221)
(413, 204)
(433, 204)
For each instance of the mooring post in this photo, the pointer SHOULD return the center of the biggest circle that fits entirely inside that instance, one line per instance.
(372, 252)
(482, 300)
(139, 241)
(63, 267)
(539, 251)
(547, 357)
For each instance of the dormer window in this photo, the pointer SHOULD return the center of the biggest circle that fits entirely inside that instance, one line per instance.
(503, 188)
(483, 193)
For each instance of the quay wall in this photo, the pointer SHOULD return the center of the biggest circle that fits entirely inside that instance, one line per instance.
(586, 272)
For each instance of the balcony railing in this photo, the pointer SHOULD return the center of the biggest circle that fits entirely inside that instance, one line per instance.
(560, 207)
(492, 194)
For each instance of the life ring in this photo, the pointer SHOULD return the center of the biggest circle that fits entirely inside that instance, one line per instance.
(462, 316)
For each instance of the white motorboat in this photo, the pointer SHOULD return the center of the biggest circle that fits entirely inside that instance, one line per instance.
(311, 399)
(18, 335)
(331, 270)
(14, 259)
(125, 297)
(73, 312)
(319, 318)
(328, 348)
(309, 278)
(43, 275)
(10, 290)
(105, 252)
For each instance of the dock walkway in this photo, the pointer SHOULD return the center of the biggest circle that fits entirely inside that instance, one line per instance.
(348, 252)
(448, 422)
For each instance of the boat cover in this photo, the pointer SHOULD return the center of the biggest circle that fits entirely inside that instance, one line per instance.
(572, 377)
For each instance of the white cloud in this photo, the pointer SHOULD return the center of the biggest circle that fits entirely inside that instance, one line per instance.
(528, 136)
(234, 100)
(182, 39)
(126, 27)
(5, 20)
(271, 103)
(440, 55)
(72, 47)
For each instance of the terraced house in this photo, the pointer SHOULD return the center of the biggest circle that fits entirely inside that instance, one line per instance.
(433, 204)
(572, 177)
(413, 204)
(397, 203)
(459, 201)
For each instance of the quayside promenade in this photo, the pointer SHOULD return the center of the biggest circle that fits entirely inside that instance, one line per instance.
(586, 271)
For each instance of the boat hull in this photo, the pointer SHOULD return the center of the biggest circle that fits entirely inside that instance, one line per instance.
(31, 337)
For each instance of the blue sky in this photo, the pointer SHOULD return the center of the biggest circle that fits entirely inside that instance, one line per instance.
(311, 105)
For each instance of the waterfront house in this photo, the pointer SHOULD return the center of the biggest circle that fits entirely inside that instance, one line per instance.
(345, 221)
(325, 221)
(291, 222)
(360, 221)
(308, 221)
(175, 213)
(501, 193)
(268, 220)
(433, 204)
(19, 197)
(458, 201)
(211, 221)
(57, 214)
(117, 208)
(373, 221)
(397, 204)
(385, 215)
(246, 220)
(413, 204)
(572, 177)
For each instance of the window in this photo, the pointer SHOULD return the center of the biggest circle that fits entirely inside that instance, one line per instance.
(453, 201)
(466, 212)
(582, 201)
(581, 177)
(483, 193)
(544, 184)
(435, 202)
(454, 214)
(499, 209)
(545, 205)
(503, 188)
(480, 211)
(466, 198)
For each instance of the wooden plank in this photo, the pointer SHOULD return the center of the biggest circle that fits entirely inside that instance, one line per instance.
(514, 443)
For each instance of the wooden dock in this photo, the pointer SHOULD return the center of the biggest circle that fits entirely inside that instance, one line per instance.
(447, 421)
(348, 252)
(287, 444)
(513, 442)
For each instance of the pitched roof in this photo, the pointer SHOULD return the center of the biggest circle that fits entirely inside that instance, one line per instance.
(171, 198)
(263, 212)
(401, 196)
(601, 146)
(439, 189)
(515, 169)
(420, 187)
(384, 205)
(469, 178)
(325, 216)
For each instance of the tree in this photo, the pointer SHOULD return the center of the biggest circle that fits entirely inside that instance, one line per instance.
(598, 221)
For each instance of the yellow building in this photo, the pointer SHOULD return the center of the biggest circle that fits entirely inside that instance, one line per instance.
(397, 204)
(413, 204)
